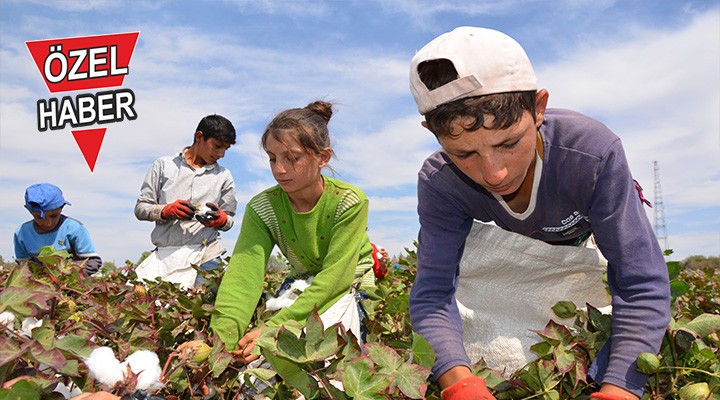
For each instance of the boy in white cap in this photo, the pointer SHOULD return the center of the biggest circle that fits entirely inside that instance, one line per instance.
(49, 227)
(555, 176)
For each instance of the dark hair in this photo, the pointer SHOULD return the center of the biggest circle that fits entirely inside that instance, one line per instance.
(217, 127)
(308, 125)
(506, 108)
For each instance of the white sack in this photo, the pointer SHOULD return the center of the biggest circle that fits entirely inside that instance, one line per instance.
(508, 285)
(172, 264)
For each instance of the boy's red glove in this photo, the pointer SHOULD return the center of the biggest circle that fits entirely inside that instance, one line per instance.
(216, 218)
(179, 209)
(379, 266)
(607, 396)
(470, 388)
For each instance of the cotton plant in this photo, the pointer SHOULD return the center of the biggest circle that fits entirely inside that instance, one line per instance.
(142, 366)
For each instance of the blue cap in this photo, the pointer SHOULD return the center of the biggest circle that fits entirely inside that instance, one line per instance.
(43, 197)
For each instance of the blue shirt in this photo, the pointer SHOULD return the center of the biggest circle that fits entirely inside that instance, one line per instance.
(69, 235)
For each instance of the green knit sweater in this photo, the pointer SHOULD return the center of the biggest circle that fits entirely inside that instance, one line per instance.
(329, 242)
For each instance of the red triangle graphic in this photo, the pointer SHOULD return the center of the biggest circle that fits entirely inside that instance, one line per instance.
(89, 141)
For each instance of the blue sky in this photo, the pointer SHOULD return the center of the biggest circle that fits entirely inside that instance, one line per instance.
(650, 70)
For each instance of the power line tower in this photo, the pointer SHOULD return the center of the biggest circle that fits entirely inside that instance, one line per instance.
(660, 228)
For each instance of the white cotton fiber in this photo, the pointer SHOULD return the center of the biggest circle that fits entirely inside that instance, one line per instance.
(67, 392)
(146, 364)
(104, 367)
(7, 319)
(288, 296)
(278, 303)
(28, 325)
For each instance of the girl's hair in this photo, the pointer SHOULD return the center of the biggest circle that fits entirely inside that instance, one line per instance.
(308, 125)
(506, 108)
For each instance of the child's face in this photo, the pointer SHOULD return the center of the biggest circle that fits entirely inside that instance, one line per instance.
(49, 223)
(210, 150)
(293, 167)
(496, 159)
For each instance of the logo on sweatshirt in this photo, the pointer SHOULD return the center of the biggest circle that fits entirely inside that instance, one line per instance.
(567, 224)
(87, 63)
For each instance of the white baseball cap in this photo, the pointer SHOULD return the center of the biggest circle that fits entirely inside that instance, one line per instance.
(487, 62)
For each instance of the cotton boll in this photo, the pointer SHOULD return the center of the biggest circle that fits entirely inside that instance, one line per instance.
(146, 365)
(288, 296)
(277, 303)
(104, 367)
(202, 209)
(67, 391)
(7, 319)
(300, 284)
(28, 325)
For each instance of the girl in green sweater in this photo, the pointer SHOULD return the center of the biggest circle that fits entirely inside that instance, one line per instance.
(318, 223)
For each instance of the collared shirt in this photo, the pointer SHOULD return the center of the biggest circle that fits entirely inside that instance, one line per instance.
(171, 178)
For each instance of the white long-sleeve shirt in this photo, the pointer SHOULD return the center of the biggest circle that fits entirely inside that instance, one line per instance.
(171, 178)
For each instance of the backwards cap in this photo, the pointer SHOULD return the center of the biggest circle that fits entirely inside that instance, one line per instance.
(487, 62)
(43, 197)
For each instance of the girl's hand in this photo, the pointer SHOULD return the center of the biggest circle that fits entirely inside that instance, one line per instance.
(246, 346)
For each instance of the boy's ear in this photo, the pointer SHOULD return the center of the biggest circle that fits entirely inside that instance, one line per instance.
(198, 136)
(541, 101)
(425, 125)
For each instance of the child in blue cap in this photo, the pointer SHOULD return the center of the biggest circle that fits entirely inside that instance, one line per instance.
(49, 227)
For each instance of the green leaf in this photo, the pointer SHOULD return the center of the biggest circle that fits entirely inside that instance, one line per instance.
(218, 362)
(410, 378)
(599, 322)
(384, 356)
(267, 339)
(314, 328)
(320, 344)
(45, 335)
(76, 345)
(71, 368)
(422, 353)
(52, 357)
(293, 375)
(684, 339)
(564, 358)
(678, 288)
(263, 374)
(18, 277)
(564, 309)
(704, 325)
(397, 304)
(17, 299)
(22, 390)
(361, 383)
(290, 346)
(673, 269)
(555, 333)
(11, 349)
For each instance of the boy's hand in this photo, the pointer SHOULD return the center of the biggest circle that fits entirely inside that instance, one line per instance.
(179, 209)
(470, 388)
(216, 218)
